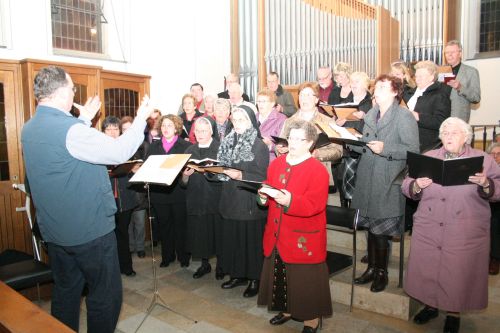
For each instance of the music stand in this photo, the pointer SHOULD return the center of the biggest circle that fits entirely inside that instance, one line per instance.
(156, 300)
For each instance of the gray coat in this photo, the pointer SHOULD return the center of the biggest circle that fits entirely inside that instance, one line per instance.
(378, 179)
(470, 92)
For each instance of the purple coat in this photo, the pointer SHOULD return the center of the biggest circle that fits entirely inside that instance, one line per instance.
(272, 126)
(450, 243)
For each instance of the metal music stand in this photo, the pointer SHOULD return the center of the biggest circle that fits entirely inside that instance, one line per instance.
(156, 300)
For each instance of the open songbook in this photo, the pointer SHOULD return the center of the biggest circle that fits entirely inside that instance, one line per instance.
(340, 134)
(124, 168)
(450, 172)
(341, 111)
(202, 165)
(160, 169)
(263, 187)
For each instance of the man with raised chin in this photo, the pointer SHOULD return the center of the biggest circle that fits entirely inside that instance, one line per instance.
(466, 88)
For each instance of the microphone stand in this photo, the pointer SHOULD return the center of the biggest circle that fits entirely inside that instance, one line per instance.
(156, 300)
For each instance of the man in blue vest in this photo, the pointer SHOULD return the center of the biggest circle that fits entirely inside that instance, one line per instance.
(65, 162)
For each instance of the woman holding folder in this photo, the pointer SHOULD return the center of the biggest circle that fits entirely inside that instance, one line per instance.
(448, 262)
(247, 158)
(295, 275)
(390, 131)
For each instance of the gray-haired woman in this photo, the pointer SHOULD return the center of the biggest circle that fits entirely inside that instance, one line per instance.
(450, 240)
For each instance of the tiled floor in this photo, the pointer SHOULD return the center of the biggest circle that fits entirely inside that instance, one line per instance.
(217, 310)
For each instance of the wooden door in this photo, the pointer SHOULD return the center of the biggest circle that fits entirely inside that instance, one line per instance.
(14, 230)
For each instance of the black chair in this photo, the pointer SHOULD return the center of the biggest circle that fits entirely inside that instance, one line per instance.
(20, 270)
(342, 219)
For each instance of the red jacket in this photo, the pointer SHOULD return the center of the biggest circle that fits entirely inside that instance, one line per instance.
(299, 231)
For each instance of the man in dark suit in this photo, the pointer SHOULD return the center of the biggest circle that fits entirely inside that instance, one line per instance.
(230, 79)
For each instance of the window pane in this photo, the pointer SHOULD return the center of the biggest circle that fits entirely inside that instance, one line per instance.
(76, 25)
(120, 102)
(488, 27)
(4, 158)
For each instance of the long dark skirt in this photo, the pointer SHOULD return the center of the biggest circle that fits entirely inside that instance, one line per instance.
(202, 235)
(242, 252)
(306, 294)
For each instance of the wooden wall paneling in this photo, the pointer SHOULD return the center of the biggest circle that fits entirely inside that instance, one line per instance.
(383, 43)
(235, 45)
(13, 225)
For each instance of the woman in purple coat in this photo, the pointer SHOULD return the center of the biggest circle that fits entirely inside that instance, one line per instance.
(448, 263)
(270, 120)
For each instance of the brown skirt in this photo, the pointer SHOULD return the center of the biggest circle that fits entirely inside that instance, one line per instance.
(307, 291)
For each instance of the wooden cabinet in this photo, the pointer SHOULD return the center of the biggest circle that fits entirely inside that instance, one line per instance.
(18, 105)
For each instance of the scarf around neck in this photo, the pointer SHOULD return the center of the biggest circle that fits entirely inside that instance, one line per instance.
(236, 148)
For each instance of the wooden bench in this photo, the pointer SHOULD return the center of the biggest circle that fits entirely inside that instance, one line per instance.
(18, 314)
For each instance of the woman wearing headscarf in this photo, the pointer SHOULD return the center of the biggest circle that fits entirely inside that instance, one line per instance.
(243, 220)
(204, 223)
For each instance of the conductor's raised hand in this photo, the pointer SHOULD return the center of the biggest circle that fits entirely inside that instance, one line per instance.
(145, 109)
(91, 107)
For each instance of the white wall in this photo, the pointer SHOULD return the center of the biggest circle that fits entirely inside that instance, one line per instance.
(177, 43)
(488, 110)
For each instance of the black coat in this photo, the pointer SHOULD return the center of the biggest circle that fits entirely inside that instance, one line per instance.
(173, 193)
(365, 105)
(225, 94)
(203, 195)
(433, 108)
(335, 98)
(237, 203)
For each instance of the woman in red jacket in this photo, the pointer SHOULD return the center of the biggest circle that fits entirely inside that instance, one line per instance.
(294, 277)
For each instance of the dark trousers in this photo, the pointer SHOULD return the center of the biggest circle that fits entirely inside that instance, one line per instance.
(96, 264)
(122, 221)
(495, 230)
(172, 222)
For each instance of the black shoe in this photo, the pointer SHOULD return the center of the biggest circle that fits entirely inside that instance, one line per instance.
(165, 263)
(252, 289)
(380, 280)
(279, 319)
(185, 263)
(202, 270)
(233, 282)
(219, 273)
(364, 259)
(141, 254)
(332, 189)
(309, 329)
(451, 324)
(131, 273)
(366, 277)
(426, 314)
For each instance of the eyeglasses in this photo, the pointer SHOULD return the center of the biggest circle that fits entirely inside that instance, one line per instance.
(495, 154)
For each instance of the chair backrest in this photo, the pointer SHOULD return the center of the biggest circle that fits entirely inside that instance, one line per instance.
(341, 218)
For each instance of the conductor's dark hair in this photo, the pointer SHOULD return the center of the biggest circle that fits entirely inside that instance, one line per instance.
(48, 80)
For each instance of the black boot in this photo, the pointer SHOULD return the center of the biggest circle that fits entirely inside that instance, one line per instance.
(381, 262)
(367, 276)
